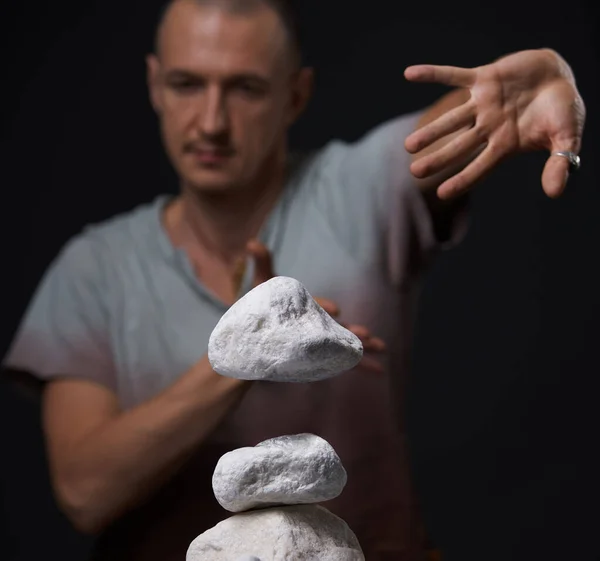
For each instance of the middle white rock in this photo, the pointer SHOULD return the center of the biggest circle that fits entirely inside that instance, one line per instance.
(287, 470)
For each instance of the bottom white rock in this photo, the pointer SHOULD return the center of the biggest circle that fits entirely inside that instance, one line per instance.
(298, 533)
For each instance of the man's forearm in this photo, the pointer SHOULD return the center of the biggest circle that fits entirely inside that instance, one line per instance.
(113, 467)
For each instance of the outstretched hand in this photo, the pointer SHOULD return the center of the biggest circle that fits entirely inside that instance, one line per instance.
(523, 102)
(264, 271)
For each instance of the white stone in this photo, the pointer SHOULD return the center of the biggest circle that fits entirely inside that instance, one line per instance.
(291, 533)
(287, 470)
(248, 558)
(278, 332)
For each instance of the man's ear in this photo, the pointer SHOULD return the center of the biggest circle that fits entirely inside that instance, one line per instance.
(152, 79)
(302, 90)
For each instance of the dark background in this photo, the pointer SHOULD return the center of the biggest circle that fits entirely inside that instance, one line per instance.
(503, 402)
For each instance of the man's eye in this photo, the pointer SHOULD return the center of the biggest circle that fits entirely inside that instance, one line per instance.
(186, 86)
(250, 90)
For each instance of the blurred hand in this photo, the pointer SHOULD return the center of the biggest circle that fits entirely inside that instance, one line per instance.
(522, 102)
(264, 271)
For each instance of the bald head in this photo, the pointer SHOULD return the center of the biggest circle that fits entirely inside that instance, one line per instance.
(226, 91)
(280, 8)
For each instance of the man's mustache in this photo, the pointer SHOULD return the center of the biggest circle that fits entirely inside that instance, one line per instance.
(222, 149)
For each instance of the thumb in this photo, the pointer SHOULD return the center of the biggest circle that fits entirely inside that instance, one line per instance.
(557, 168)
(263, 262)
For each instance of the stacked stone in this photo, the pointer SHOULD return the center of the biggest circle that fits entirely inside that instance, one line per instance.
(277, 332)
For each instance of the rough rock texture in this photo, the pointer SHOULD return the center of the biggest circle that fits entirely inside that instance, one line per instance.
(248, 558)
(287, 470)
(278, 332)
(291, 533)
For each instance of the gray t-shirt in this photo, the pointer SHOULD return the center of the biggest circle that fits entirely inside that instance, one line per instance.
(121, 306)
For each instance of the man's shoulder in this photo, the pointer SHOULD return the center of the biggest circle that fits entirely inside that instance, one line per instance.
(106, 242)
(371, 155)
(308, 166)
(127, 225)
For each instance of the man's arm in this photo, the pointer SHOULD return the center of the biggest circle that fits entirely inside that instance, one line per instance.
(104, 461)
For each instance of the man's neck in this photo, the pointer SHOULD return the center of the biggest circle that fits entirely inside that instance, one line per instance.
(221, 224)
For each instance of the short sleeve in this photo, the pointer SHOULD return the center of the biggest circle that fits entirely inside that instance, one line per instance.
(65, 329)
(374, 204)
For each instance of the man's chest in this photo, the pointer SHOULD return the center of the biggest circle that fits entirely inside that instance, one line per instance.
(162, 315)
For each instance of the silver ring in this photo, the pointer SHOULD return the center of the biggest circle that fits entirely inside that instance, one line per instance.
(574, 160)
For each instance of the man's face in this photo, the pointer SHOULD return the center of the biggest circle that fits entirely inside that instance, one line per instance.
(225, 92)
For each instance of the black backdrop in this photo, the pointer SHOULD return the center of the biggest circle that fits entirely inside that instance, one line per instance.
(503, 399)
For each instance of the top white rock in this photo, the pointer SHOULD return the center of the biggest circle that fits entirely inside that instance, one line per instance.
(278, 332)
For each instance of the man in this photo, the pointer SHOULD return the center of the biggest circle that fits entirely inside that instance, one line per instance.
(135, 418)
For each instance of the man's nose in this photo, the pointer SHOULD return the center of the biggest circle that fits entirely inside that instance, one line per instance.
(214, 120)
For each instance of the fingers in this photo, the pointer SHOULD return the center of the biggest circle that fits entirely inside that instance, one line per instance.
(263, 262)
(330, 307)
(452, 121)
(372, 365)
(264, 271)
(476, 170)
(456, 150)
(448, 75)
(370, 343)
